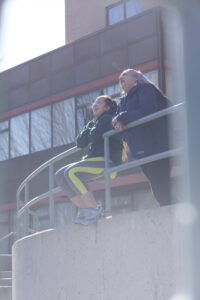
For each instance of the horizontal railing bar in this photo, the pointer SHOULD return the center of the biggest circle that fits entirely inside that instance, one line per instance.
(73, 150)
(108, 133)
(118, 168)
(45, 165)
(36, 199)
(145, 160)
(7, 236)
(146, 119)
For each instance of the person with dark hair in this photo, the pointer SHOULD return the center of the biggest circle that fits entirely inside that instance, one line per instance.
(73, 178)
(141, 98)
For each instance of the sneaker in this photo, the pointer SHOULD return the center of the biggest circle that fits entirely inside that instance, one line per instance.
(81, 214)
(93, 215)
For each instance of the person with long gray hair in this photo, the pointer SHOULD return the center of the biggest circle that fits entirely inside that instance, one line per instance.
(141, 98)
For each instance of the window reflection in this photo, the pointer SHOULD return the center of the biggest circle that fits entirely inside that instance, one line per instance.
(88, 98)
(84, 115)
(4, 150)
(4, 147)
(133, 7)
(19, 131)
(116, 14)
(3, 125)
(41, 129)
(84, 110)
(112, 90)
(63, 122)
(152, 76)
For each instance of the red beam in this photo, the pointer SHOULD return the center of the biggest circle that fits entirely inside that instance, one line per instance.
(78, 90)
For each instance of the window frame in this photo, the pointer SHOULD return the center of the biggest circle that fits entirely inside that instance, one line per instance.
(124, 8)
(100, 89)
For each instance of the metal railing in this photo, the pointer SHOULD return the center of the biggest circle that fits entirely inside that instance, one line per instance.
(6, 239)
(24, 207)
(7, 236)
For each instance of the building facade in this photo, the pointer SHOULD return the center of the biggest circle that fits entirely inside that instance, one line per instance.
(46, 101)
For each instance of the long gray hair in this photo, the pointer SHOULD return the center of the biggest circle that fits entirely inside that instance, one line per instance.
(141, 78)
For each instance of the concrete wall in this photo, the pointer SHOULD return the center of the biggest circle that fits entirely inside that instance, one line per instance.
(132, 256)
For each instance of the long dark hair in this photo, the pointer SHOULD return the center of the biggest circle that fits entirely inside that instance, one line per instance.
(109, 101)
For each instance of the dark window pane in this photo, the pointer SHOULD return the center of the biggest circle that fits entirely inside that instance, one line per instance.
(41, 129)
(19, 131)
(63, 122)
(133, 7)
(116, 14)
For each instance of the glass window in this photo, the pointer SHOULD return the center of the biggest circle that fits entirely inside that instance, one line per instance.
(87, 99)
(19, 132)
(63, 122)
(112, 90)
(84, 110)
(84, 115)
(3, 125)
(152, 76)
(116, 14)
(4, 147)
(133, 7)
(41, 129)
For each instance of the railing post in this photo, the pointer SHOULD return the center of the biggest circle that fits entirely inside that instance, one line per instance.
(26, 212)
(107, 176)
(51, 196)
(17, 219)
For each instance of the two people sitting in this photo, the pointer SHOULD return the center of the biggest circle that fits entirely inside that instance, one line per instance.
(140, 98)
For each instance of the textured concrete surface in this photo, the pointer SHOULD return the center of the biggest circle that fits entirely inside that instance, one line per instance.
(6, 293)
(135, 256)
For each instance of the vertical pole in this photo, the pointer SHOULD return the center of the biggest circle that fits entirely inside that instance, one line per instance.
(107, 176)
(26, 212)
(17, 219)
(51, 197)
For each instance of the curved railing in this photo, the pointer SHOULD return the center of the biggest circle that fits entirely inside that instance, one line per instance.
(24, 207)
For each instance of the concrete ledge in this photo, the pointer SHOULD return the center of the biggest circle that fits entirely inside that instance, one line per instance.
(131, 256)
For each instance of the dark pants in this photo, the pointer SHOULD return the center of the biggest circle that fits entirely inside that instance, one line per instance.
(158, 175)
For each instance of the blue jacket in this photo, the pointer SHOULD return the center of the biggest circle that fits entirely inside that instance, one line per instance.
(152, 137)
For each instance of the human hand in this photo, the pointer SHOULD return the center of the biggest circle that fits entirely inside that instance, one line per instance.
(114, 121)
(119, 126)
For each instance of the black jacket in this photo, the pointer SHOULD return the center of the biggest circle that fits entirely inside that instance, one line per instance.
(92, 136)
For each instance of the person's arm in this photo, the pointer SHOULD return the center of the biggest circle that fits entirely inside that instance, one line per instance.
(95, 134)
(82, 138)
(147, 105)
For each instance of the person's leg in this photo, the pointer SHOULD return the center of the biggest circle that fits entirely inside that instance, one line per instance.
(61, 182)
(76, 176)
(158, 175)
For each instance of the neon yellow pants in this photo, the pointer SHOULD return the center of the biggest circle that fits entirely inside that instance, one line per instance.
(73, 178)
